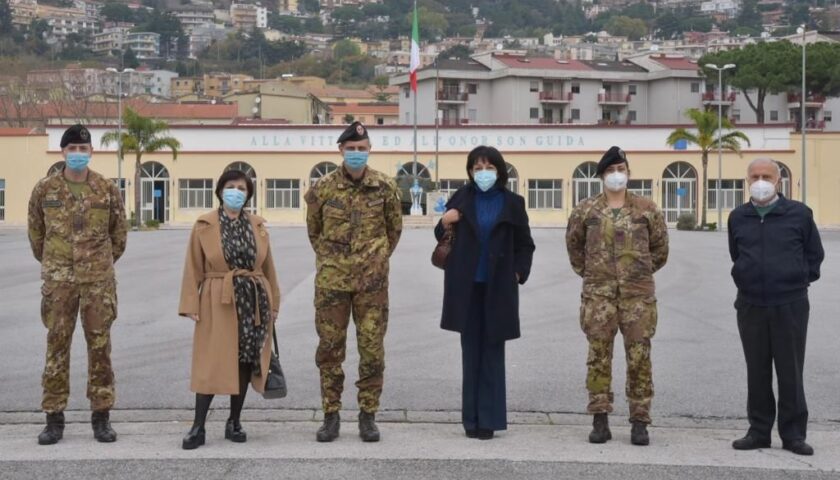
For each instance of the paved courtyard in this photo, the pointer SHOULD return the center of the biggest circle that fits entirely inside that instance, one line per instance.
(699, 370)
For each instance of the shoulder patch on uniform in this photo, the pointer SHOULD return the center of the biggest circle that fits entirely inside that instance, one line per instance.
(311, 196)
(378, 201)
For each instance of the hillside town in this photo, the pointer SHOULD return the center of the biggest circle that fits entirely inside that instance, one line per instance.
(325, 62)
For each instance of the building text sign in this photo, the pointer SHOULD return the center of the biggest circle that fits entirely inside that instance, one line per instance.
(521, 139)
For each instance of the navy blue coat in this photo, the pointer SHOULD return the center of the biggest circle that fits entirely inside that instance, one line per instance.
(775, 259)
(510, 250)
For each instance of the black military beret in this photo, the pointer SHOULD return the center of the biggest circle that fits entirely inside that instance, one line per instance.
(355, 132)
(613, 156)
(75, 134)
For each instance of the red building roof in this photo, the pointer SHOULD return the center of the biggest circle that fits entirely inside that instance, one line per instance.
(541, 63)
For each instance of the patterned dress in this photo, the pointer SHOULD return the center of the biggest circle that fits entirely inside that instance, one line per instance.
(240, 249)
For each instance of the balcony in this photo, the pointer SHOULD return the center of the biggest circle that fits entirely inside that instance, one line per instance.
(816, 101)
(614, 98)
(716, 98)
(452, 96)
(812, 126)
(555, 97)
(451, 122)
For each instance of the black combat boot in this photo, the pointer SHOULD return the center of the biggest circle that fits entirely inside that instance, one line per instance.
(600, 429)
(639, 434)
(54, 430)
(101, 424)
(234, 432)
(329, 430)
(367, 427)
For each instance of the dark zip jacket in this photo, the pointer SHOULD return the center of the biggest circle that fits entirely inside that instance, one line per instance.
(776, 257)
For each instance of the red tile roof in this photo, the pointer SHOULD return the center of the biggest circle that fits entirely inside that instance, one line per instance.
(384, 108)
(16, 132)
(675, 63)
(90, 109)
(541, 63)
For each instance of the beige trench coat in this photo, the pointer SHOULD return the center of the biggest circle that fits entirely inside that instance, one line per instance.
(206, 290)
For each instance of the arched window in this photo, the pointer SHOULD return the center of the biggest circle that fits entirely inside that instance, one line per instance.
(252, 174)
(784, 185)
(407, 170)
(513, 178)
(154, 192)
(679, 190)
(321, 170)
(585, 182)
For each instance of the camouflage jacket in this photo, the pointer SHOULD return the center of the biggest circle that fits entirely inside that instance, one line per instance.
(354, 227)
(76, 240)
(617, 256)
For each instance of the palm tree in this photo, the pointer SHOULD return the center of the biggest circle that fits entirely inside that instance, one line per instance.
(141, 135)
(706, 139)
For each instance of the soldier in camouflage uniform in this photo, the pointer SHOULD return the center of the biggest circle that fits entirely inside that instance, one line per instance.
(354, 221)
(616, 241)
(77, 230)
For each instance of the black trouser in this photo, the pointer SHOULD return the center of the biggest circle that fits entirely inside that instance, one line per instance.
(484, 404)
(775, 335)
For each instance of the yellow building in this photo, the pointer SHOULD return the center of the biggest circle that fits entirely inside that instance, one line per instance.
(553, 168)
(278, 100)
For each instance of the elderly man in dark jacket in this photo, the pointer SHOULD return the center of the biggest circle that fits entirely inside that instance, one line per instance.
(776, 250)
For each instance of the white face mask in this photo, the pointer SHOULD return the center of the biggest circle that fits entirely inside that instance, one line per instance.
(762, 190)
(616, 181)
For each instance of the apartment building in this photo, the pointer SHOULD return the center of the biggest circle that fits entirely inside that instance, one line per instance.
(194, 16)
(145, 45)
(245, 16)
(503, 88)
(110, 39)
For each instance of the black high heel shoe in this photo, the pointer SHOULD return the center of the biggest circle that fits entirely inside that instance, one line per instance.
(234, 432)
(194, 438)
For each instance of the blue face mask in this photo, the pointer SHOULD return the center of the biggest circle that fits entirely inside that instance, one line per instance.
(355, 160)
(485, 179)
(234, 198)
(77, 161)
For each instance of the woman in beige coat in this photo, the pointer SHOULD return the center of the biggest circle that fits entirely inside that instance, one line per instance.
(230, 291)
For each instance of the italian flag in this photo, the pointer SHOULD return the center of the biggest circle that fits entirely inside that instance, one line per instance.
(415, 51)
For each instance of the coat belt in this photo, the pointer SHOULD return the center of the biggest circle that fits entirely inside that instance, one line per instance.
(227, 286)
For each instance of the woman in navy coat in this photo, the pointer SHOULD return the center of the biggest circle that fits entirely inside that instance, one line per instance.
(490, 257)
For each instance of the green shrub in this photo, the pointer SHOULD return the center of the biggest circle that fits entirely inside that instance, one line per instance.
(686, 221)
(152, 224)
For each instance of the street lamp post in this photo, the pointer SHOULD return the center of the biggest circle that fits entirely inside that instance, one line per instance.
(801, 30)
(719, 134)
(119, 127)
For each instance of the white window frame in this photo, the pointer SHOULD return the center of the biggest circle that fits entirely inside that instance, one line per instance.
(282, 195)
(640, 187)
(192, 196)
(542, 196)
(451, 185)
(732, 192)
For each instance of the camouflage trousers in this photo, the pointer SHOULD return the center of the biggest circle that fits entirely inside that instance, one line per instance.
(61, 304)
(332, 317)
(601, 318)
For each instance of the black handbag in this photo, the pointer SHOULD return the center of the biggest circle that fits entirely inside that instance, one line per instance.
(275, 382)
